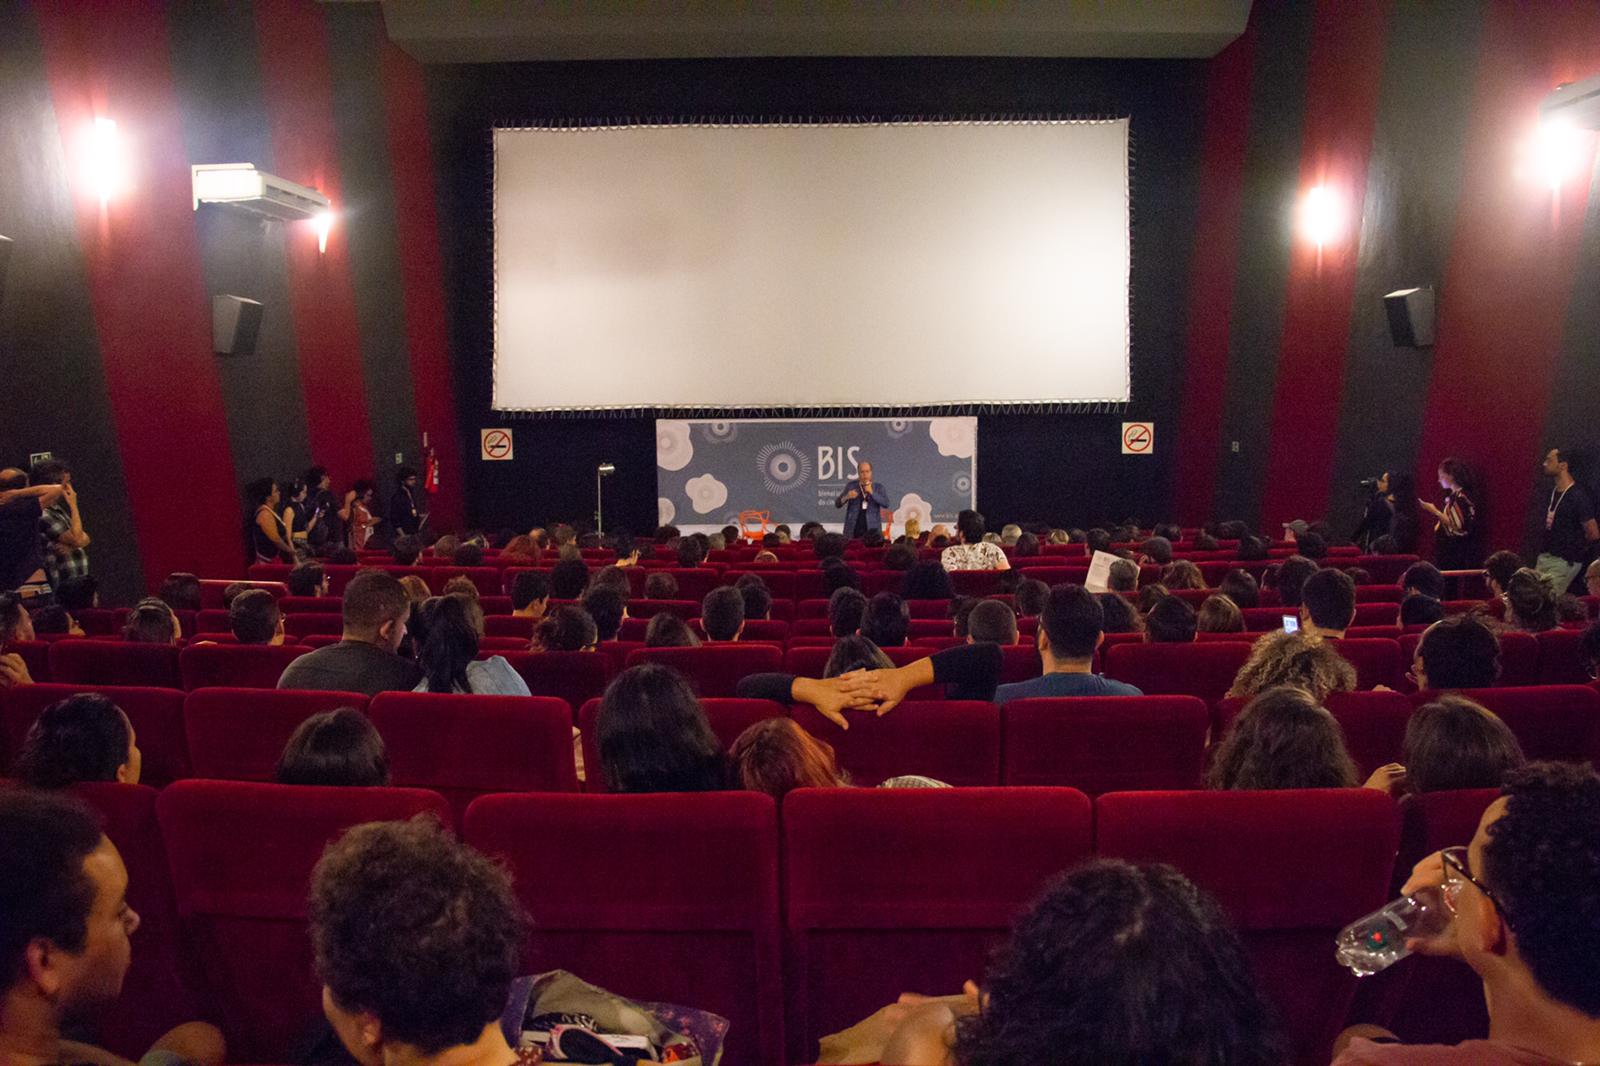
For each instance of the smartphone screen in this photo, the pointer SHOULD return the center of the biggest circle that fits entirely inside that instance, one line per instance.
(1291, 624)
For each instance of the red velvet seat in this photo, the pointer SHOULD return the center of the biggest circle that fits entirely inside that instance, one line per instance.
(155, 713)
(641, 608)
(1019, 662)
(693, 584)
(1264, 619)
(115, 662)
(1377, 614)
(715, 669)
(779, 582)
(756, 631)
(1105, 744)
(313, 622)
(728, 718)
(465, 746)
(876, 581)
(1550, 721)
(239, 734)
(35, 655)
(1560, 658)
(101, 621)
(663, 897)
(954, 741)
(1290, 868)
(1203, 670)
(574, 676)
(241, 855)
(210, 621)
(486, 579)
(1379, 593)
(508, 625)
(319, 640)
(908, 890)
(809, 609)
(311, 605)
(1385, 569)
(235, 665)
(1377, 661)
(155, 994)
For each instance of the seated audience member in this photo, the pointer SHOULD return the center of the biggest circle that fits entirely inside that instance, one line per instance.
(1029, 597)
(1123, 577)
(1253, 548)
(1172, 621)
(1292, 575)
(961, 614)
(1284, 738)
(886, 621)
(445, 547)
(65, 929)
(777, 756)
(1312, 545)
(1157, 550)
(1151, 595)
(461, 585)
(82, 738)
(1071, 628)
(1027, 546)
(1182, 575)
(901, 557)
(468, 554)
(180, 591)
(1242, 588)
(1205, 542)
(519, 550)
(447, 650)
(1570, 608)
(927, 581)
(15, 621)
(1299, 659)
(416, 589)
(1425, 578)
(653, 736)
(837, 574)
(530, 595)
(715, 542)
(846, 607)
(151, 622)
(83, 592)
(1359, 574)
(1009, 533)
(565, 629)
(375, 610)
(568, 579)
(1497, 571)
(1454, 743)
(1526, 917)
(255, 618)
(1458, 652)
(970, 552)
(417, 938)
(1530, 602)
(829, 546)
(667, 630)
(1119, 615)
(338, 747)
(1591, 580)
(612, 577)
(691, 553)
(233, 590)
(1418, 609)
(1219, 614)
(1327, 604)
(854, 653)
(764, 557)
(722, 614)
(757, 597)
(731, 536)
(1112, 964)
(607, 609)
(307, 579)
(1097, 540)
(55, 621)
(342, 556)
(407, 549)
(991, 622)
(660, 586)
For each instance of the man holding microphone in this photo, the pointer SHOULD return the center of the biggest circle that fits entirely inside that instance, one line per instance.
(858, 498)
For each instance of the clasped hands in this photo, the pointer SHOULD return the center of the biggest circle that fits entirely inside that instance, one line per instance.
(879, 691)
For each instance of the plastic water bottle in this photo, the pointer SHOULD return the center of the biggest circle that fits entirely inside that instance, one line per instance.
(1378, 941)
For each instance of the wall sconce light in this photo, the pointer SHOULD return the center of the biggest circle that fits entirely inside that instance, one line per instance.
(1322, 216)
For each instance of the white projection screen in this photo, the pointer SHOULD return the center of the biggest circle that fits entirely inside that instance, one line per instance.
(853, 265)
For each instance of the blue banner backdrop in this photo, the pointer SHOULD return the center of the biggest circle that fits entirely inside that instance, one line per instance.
(709, 471)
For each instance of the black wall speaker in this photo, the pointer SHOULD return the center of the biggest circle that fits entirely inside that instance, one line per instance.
(1410, 317)
(5, 258)
(235, 321)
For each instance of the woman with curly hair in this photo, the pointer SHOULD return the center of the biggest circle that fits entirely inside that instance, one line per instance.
(1285, 739)
(1297, 659)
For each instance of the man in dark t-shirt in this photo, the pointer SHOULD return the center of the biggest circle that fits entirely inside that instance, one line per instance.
(21, 555)
(375, 612)
(1570, 529)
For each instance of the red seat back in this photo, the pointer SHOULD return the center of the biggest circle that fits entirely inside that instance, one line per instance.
(574, 676)
(486, 579)
(35, 655)
(239, 734)
(1519, 659)
(464, 746)
(309, 623)
(1377, 614)
(155, 713)
(508, 625)
(114, 662)
(954, 741)
(1199, 669)
(1561, 658)
(714, 669)
(236, 665)
(1290, 868)
(1377, 661)
(311, 605)
(1550, 721)
(1105, 744)
(155, 994)
(897, 890)
(241, 856)
(662, 897)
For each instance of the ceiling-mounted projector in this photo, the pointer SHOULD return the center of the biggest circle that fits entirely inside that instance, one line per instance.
(1577, 103)
(242, 185)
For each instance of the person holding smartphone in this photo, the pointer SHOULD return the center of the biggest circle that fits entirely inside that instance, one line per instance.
(1456, 542)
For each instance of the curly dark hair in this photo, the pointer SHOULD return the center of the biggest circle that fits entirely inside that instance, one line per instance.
(417, 928)
(1542, 860)
(1282, 739)
(1117, 965)
(82, 738)
(43, 890)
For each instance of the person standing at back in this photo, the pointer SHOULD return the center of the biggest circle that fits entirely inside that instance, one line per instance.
(22, 564)
(403, 514)
(1570, 529)
(375, 611)
(61, 526)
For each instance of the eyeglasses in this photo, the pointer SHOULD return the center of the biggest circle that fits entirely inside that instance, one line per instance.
(1457, 875)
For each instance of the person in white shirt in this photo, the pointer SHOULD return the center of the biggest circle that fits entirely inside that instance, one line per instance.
(970, 552)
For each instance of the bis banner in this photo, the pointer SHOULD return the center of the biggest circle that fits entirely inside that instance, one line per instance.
(709, 471)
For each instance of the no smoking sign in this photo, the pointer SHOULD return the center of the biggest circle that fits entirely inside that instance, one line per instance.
(1138, 438)
(495, 444)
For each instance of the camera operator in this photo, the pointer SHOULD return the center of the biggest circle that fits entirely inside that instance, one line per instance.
(1391, 511)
